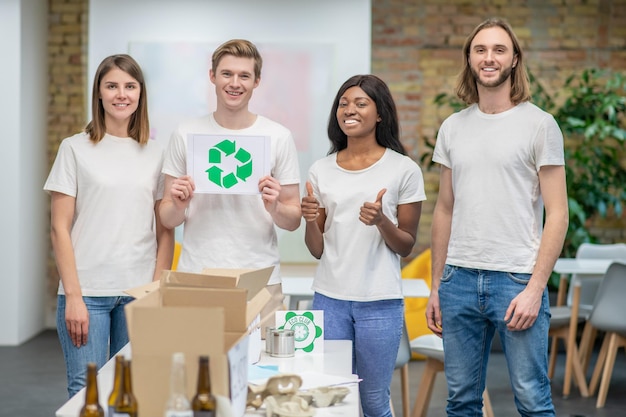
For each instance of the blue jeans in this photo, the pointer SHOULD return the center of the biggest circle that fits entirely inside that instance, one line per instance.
(374, 328)
(107, 335)
(473, 304)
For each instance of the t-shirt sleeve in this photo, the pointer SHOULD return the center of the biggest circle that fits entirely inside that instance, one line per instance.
(287, 168)
(62, 177)
(441, 153)
(175, 162)
(412, 189)
(549, 144)
(314, 180)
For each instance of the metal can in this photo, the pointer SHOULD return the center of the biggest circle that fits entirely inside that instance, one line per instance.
(282, 343)
(268, 339)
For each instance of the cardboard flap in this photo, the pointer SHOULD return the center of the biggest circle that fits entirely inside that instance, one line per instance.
(257, 303)
(232, 300)
(254, 280)
(185, 279)
(143, 290)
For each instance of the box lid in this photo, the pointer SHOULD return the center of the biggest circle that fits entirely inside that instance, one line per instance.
(252, 280)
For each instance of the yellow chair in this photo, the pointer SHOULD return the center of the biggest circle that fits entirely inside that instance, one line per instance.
(177, 248)
(415, 308)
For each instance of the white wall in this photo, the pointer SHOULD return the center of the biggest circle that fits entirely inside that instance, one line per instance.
(344, 25)
(23, 166)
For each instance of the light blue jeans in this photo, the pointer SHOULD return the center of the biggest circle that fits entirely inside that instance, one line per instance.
(473, 304)
(107, 335)
(374, 328)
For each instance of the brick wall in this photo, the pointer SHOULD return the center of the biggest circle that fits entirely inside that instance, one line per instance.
(416, 47)
(67, 55)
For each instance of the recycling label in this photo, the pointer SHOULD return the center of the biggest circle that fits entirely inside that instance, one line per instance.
(307, 326)
(228, 164)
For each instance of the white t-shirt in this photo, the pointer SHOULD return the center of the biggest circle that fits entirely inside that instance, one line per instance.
(495, 159)
(356, 264)
(231, 231)
(116, 183)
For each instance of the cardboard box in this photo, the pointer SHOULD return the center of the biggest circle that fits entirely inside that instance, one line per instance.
(214, 313)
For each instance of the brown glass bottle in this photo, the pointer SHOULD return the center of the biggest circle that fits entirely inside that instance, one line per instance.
(92, 406)
(117, 383)
(203, 403)
(126, 403)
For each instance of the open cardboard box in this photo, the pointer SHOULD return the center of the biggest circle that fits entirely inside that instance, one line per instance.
(215, 313)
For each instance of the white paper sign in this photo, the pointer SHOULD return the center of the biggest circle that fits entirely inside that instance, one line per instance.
(238, 371)
(228, 164)
(307, 326)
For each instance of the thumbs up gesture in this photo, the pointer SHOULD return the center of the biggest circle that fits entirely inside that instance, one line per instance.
(372, 213)
(309, 205)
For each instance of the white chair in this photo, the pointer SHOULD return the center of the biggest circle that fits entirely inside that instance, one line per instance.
(431, 346)
(402, 363)
(564, 321)
(589, 283)
(608, 314)
(589, 289)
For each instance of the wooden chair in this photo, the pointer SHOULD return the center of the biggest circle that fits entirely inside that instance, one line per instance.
(431, 347)
(609, 311)
(564, 325)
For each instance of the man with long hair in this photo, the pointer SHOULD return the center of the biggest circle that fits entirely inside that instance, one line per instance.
(502, 162)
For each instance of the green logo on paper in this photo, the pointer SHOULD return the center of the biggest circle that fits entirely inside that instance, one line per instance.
(220, 153)
(305, 330)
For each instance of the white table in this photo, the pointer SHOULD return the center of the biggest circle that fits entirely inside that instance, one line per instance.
(298, 288)
(575, 359)
(336, 360)
(106, 375)
(583, 266)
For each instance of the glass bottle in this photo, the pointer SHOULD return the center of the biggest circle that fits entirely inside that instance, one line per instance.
(178, 404)
(117, 383)
(92, 407)
(126, 403)
(203, 403)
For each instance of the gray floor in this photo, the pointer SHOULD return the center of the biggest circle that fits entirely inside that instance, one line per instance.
(502, 396)
(32, 384)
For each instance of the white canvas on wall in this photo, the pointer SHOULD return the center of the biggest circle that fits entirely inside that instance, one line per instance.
(307, 48)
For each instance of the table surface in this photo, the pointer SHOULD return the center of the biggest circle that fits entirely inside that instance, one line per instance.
(105, 381)
(584, 266)
(301, 286)
(336, 360)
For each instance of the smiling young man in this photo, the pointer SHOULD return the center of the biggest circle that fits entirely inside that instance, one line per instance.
(493, 251)
(228, 230)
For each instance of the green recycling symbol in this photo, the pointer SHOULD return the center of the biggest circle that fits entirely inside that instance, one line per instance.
(218, 153)
(304, 329)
